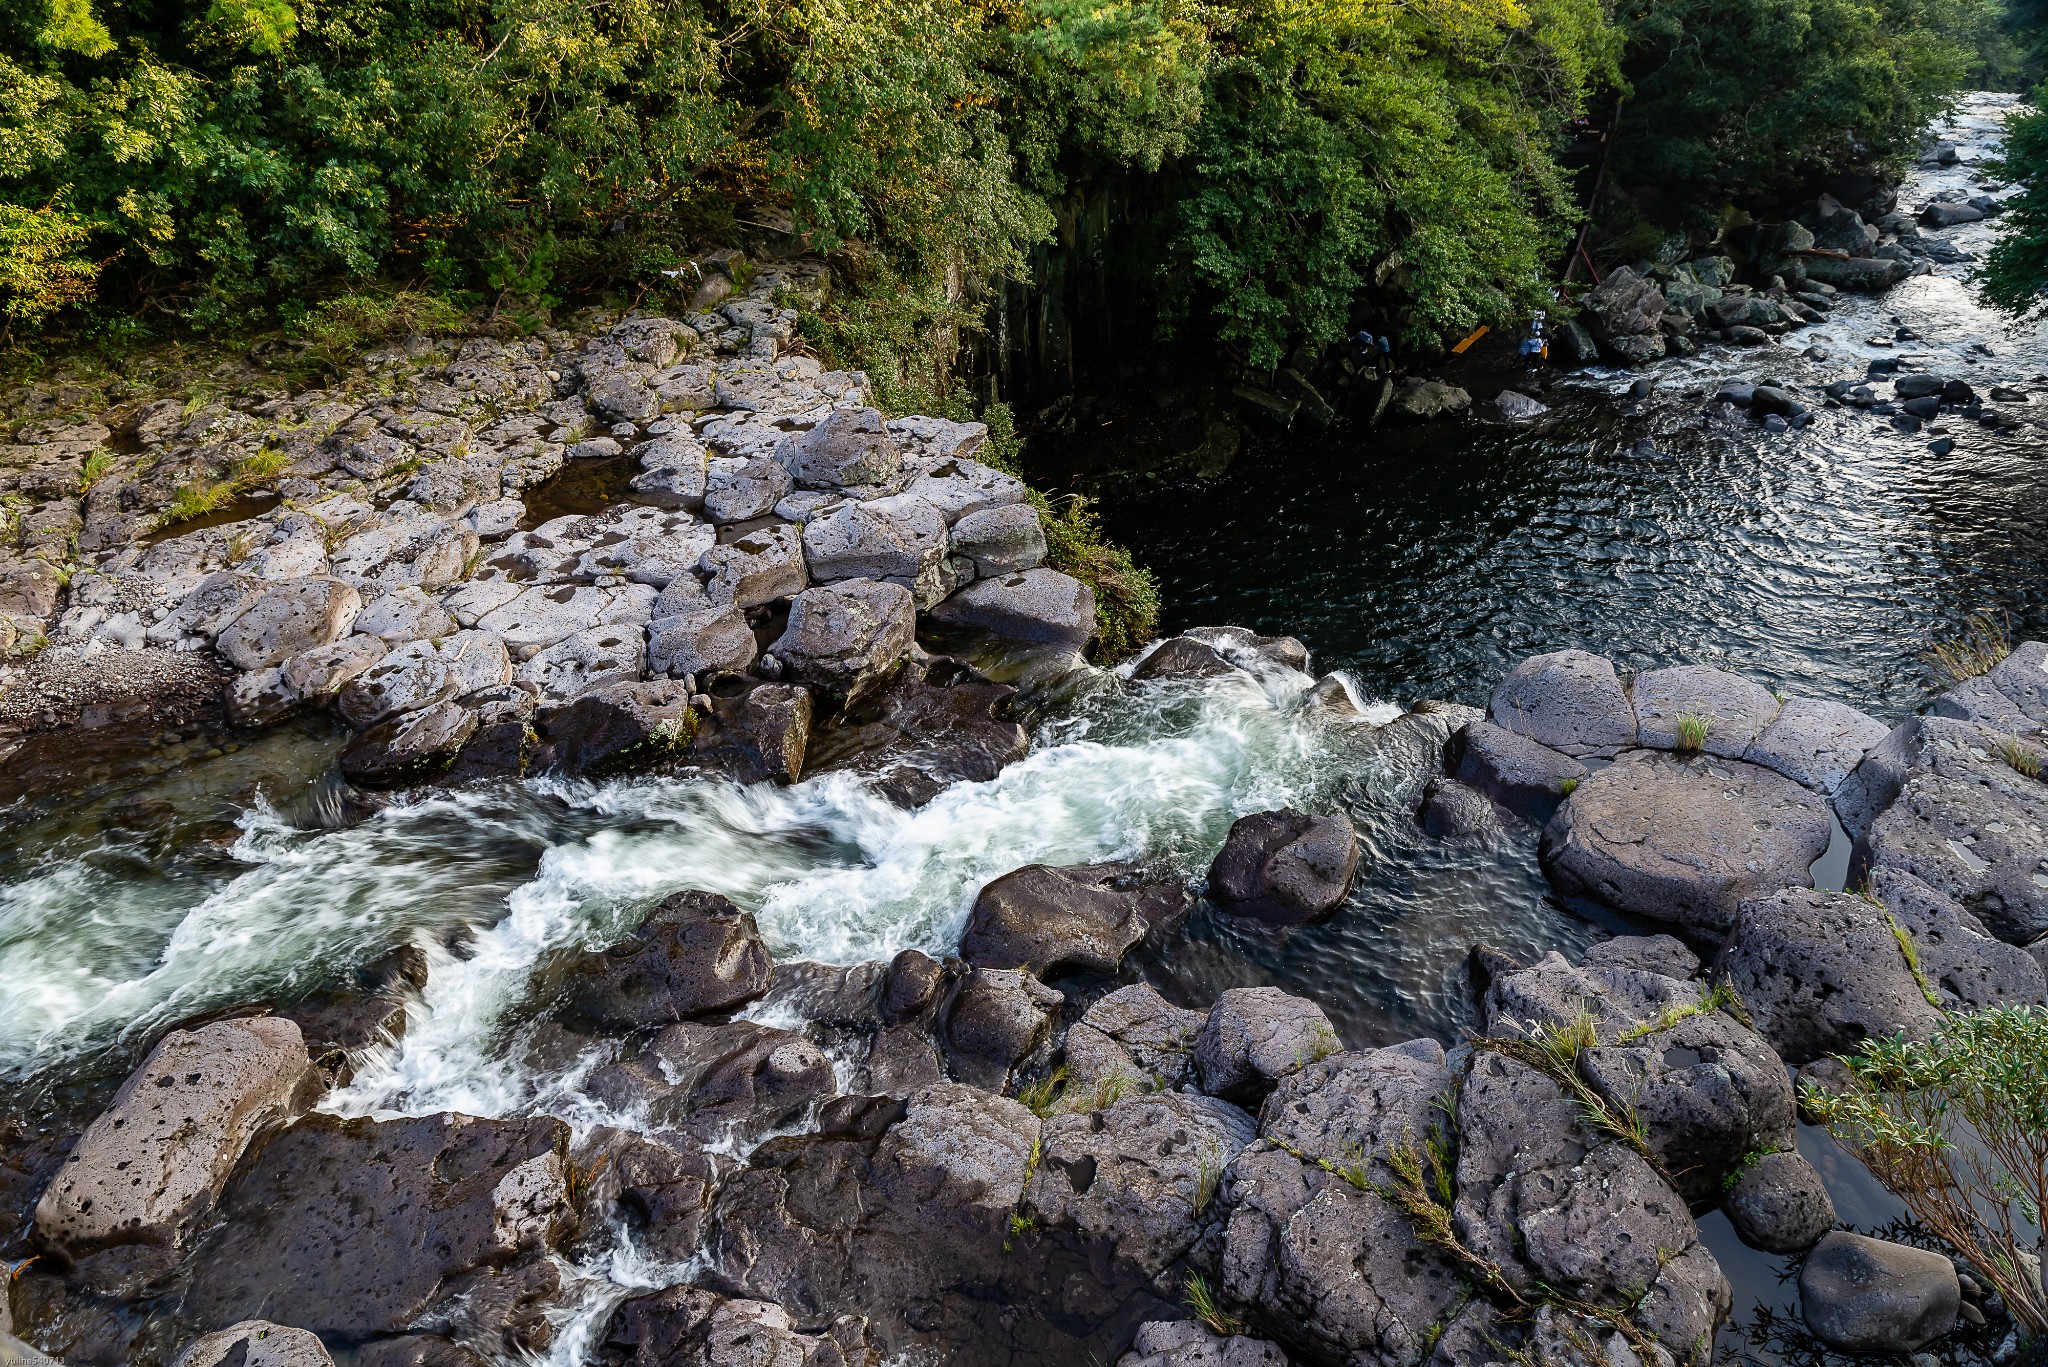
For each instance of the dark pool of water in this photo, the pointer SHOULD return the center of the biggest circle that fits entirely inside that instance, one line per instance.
(1428, 559)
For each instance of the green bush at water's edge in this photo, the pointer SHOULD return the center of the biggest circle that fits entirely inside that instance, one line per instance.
(208, 164)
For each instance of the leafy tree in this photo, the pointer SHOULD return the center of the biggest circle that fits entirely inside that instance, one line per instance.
(1732, 96)
(2015, 274)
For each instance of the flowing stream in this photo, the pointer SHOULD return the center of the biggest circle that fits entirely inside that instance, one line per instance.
(152, 880)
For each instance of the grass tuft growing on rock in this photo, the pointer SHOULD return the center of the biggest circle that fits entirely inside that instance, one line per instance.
(2021, 758)
(1957, 1128)
(1553, 1050)
(1208, 1310)
(1692, 732)
(1985, 641)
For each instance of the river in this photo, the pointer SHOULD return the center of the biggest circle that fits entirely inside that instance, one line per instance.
(186, 873)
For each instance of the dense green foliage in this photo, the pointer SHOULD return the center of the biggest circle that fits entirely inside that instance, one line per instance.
(1733, 96)
(210, 163)
(2016, 271)
(220, 161)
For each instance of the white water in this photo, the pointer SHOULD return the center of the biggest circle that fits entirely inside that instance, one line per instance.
(833, 873)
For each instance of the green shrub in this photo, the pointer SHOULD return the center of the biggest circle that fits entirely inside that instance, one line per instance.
(1957, 1128)
(2015, 274)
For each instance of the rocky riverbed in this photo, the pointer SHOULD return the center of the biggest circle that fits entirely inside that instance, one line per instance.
(625, 861)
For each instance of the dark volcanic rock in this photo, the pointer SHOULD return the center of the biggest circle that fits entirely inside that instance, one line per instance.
(1684, 840)
(994, 1020)
(410, 747)
(1821, 972)
(696, 954)
(1056, 921)
(762, 736)
(1526, 778)
(1864, 1295)
(931, 727)
(1136, 1034)
(1254, 1037)
(1707, 1089)
(661, 1188)
(360, 1228)
(1285, 866)
(716, 1083)
(1183, 657)
(686, 1326)
(617, 727)
(1780, 1205)
(888, 1208)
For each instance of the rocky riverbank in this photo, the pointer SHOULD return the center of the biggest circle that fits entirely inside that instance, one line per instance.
(837, 1164)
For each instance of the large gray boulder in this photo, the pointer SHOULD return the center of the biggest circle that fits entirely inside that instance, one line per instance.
(1863, 1295)
(290, 617)
(1683, 840)
(1140, 1177)
(1056, 920)
(851, 447)
(1320, 1262)
(699, 643)
(1779, 1204)
(1735, 710)
(534, 618)
(148, 1170)
(1552, 1203)
(993, 1021)
(360, 1228)
(419, 674)
(593, 659)
(845, 637)
(762, 567)
(1255, 1036)
(1523, 776)
(1706, 1089)
(207, 610)
(738, 490)
(888, 1206)
(1815, 743)
(696, 954)
(686, 1326)
(409, 746)
(1822, 972)
(1285, 866)
(256, 1343)
(1038, 606)
(901, 540)
(1967, 967)
(1625, 312)
(1000, 540)
(1136, 1034)
(1568, 700)
(1970, 825)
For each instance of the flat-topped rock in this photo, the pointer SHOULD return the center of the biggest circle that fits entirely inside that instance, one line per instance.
(256, 1343)
(1525, 777)
(293, 616)
(1682, 840)
(1815, 743)
(1733, 710)
(1567, 700)
(1039, 606)
(845, 637)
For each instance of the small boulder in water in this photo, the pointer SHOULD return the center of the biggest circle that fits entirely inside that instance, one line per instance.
(1065, 920)
(1518, 407)
(695, 955)
(1526, 778)
(1183, 657)
(1863, 1295)
(1779, 1204)
(1422, 399)
(1285, 866)
(1450, 810)
(619, 726)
